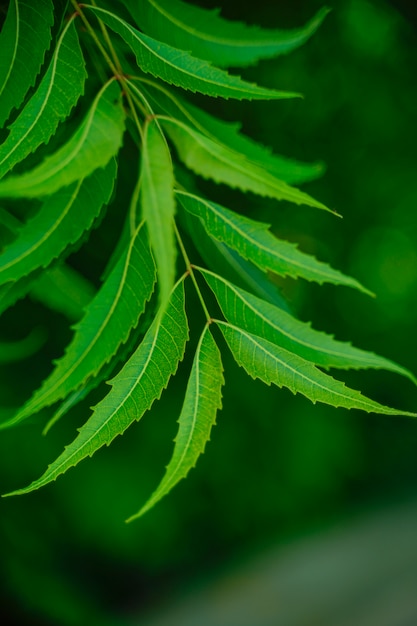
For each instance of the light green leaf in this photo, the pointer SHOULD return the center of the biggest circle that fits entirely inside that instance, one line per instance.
(272, 364)
(253, 241)
(61, 221)
(180, 68)
(51, 103)
(224, 165)
(258, 317)
(95, 142)
(134, 389)
(113, 312)
(209, 36)
(228, 134)
(158, 204)
(24, 39)
(198, 416)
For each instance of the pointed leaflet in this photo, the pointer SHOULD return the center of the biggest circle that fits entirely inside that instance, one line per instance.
(57, 93)
(24, 39)
(272, 364)
(92, 146)
(180, 68)
(224, 165)
(134, 389)
(228, 134)
(113, 312)
(158, 204)
(198, 415)
(254, 242)
(210, 37)
(227, 262)
(61, 221)
(258, 317)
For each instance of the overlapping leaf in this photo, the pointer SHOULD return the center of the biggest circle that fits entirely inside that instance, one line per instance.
(246, 311)
(198, 416)
(92, 146)
(254, 242)
(134, 389)
(61, 221)
(180, 68)
(24, 39)
(58, 92)
(224, 165)
(210, 37)
(158, 204)
(111, 315)
(228, 134)
(272, 364)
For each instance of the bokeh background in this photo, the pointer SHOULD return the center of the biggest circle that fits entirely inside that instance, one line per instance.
(277, 468)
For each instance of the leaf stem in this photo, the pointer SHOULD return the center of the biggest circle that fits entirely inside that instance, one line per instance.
(191, 272)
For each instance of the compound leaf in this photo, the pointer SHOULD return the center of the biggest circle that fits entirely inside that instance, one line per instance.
(92, 146)
(24, 39)
(180, 68)
(61, 221)
(272, 364)
(158, 204)
(213, 160)
(58, 92)
(261, 318)
(198, 415)
(254, 242)
(110, 316)
(139, 383)
(211, 37)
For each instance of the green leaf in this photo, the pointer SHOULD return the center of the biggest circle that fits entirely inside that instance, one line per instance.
(258, 317)
(95, 142)
(134, 389)
(61, 221)
(272, 364)
(51, 103)
(24, 39)
(253, 241)
(213, 160)
(158, 204)
(210, 37)
(227, 134)
(198, 415)
(180, 68)
(227, 262)
(113, 312)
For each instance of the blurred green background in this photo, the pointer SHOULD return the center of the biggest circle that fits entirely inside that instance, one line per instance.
(277, 466)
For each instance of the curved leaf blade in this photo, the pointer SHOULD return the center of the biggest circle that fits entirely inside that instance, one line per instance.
(58, 92)
(228, 134)
(24, 39)
(108, 320)
(253, 241)
(198, 416)
(158, 204)
(212, 160)
(265, 320)
(95, 142)
(209, 36)
(180, 68)
(134, 389)
(272, 364)
(61, 221)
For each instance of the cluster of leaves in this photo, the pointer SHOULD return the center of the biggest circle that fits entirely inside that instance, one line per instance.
(138, 52)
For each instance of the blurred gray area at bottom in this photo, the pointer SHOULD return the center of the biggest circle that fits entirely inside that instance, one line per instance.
(359, 573)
